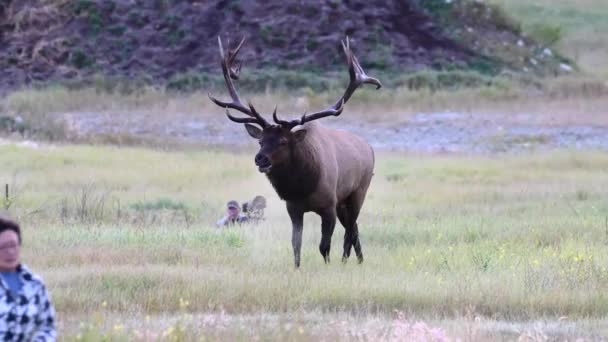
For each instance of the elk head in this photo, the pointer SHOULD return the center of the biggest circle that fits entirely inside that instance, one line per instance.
(277, 140)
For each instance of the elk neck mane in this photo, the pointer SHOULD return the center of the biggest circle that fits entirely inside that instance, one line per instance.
(298, 178)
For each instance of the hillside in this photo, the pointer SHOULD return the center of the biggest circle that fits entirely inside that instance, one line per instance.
(157, 41)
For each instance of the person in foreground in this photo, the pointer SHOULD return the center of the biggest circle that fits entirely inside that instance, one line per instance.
(26, 312)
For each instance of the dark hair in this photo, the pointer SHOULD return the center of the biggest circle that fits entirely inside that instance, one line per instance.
(234, 204)
(6, 224)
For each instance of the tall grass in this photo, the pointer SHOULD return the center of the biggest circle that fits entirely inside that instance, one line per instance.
(513, 239)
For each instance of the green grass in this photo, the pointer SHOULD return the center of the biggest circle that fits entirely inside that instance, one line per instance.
(483, 248)
(582, 22)
(446, 239)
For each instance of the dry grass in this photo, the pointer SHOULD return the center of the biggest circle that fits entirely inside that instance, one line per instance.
(572, 100)
(445, 238)
(479, 248)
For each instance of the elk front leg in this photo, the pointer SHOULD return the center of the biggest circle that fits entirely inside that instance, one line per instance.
(297, 225)
(328, 223)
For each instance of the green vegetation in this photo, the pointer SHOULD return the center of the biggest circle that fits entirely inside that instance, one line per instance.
(90, 10)
(547, 34)
(475, 25)
(159, 204)
(511, 239)
(80, 59)
(483, 248)
(575, 29)
(579, 28)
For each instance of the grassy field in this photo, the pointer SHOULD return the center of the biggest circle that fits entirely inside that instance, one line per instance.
(477, 248)
(582, 25)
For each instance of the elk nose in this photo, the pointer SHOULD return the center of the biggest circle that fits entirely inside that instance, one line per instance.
(261, 160)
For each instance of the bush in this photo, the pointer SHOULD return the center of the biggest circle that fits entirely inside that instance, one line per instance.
(547, 34)
(80, 59)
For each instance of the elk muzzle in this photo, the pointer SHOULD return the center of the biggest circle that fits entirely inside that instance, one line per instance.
(263, 163)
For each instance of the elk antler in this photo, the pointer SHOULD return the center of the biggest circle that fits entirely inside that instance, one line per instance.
(357, 78)
(232, 73)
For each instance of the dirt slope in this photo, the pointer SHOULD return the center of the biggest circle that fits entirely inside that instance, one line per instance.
(53, 40)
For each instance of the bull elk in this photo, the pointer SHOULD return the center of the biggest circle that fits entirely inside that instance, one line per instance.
(312, 168)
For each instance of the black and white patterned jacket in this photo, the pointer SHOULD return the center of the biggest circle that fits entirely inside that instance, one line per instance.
(29, 316)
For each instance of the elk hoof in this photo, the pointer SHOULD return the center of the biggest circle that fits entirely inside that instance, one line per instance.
(360, 259)
(344, 259)
(324, 253)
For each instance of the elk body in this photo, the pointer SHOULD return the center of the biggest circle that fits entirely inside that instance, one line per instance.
(311, 167)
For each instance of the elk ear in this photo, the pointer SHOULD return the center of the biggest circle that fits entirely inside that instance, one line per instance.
(254, 131)
(299, 134)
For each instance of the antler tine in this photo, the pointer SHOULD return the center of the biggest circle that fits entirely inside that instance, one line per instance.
(240, 120)
(318, 115)
(232, 73)
(356, 73)
(219, 42)
(256, 114)
(279, 121)
(346, 49)
(306, 118)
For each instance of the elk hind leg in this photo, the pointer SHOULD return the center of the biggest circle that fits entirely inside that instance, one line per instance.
(343, 216)
(354, 208)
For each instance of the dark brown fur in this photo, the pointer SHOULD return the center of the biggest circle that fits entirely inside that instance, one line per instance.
(312, 168)
(327, 172)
